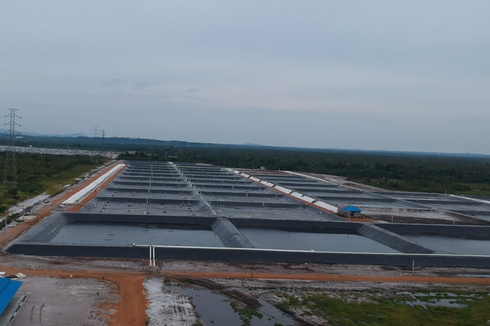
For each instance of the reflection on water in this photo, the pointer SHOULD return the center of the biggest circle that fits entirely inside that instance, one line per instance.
(215, 309)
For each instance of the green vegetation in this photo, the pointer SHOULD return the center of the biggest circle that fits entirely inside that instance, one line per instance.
(246, 314)
(378, 311)
(39, 173)
(431, 172)
(394, 171)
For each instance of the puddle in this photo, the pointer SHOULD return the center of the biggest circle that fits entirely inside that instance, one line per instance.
(216, 309)
(445, 299)
(474, 275)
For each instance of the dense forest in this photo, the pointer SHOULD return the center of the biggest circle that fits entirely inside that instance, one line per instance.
(432, 172)
(396, 171)
(39, 173)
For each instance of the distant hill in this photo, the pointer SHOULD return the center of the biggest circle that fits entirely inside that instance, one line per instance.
(123, 144)
(25, 133)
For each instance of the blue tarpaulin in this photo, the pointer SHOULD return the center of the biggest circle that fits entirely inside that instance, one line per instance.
(8, 289)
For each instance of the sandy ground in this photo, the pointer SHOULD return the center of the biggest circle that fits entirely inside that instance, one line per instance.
(77, 207)
(168, 307)
(74, 301)
(20, 207)
(129, 276)
(130, 309)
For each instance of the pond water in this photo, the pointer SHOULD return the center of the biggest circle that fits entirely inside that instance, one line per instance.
(278, 239)
(113, 234)
(439, 299)
(453, 245)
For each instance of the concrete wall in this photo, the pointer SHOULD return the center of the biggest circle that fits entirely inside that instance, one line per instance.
(152, 191)
(300, 226)
(131, 199)
(251, 255)
(241, 194)
(140, 219)
(229, 203)
(154, 184)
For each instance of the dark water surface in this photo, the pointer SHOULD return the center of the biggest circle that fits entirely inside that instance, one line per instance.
(112, 234)
(278, 239)
(453, 245)
(215, 309)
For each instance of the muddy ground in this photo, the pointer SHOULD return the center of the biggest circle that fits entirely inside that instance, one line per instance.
(276, 292)
(249, 281)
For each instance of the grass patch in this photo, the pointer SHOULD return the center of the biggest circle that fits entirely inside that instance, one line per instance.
(41, 173)
(56, 183)
(395, 311)
(246, 314)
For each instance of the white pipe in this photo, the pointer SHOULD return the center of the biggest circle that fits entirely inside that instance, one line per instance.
(150, 254)
(154, 258)
(316, 251)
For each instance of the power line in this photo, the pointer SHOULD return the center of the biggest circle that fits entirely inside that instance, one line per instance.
(10, 171)
(95, 131)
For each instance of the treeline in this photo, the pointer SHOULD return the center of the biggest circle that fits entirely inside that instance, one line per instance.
(433, 172)
(112, 144)
(411, 172)
(38, 173)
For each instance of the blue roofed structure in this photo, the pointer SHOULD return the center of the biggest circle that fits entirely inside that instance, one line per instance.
(8, 288)
(351, 211)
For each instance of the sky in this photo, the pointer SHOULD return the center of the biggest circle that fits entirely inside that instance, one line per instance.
(375, 75)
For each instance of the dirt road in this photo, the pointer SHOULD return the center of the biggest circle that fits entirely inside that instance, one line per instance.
(131, 308)
(47, 210)
(80, 205)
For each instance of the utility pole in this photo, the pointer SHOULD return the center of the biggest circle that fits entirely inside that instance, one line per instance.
(10, 171)
(95, 131)
(102, 132)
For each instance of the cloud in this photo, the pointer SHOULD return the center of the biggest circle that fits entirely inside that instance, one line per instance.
(330, 61)
(115, 81)
(145, 84)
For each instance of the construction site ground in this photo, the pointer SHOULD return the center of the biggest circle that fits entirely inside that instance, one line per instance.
(85, 291)
(113, 293)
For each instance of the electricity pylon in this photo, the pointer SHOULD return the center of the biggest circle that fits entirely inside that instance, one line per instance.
(10, 171)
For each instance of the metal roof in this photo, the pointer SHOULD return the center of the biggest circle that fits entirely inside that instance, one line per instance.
(352, 209)
(8, 289)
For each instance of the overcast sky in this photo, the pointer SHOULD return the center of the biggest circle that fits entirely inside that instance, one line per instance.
(386, 75)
